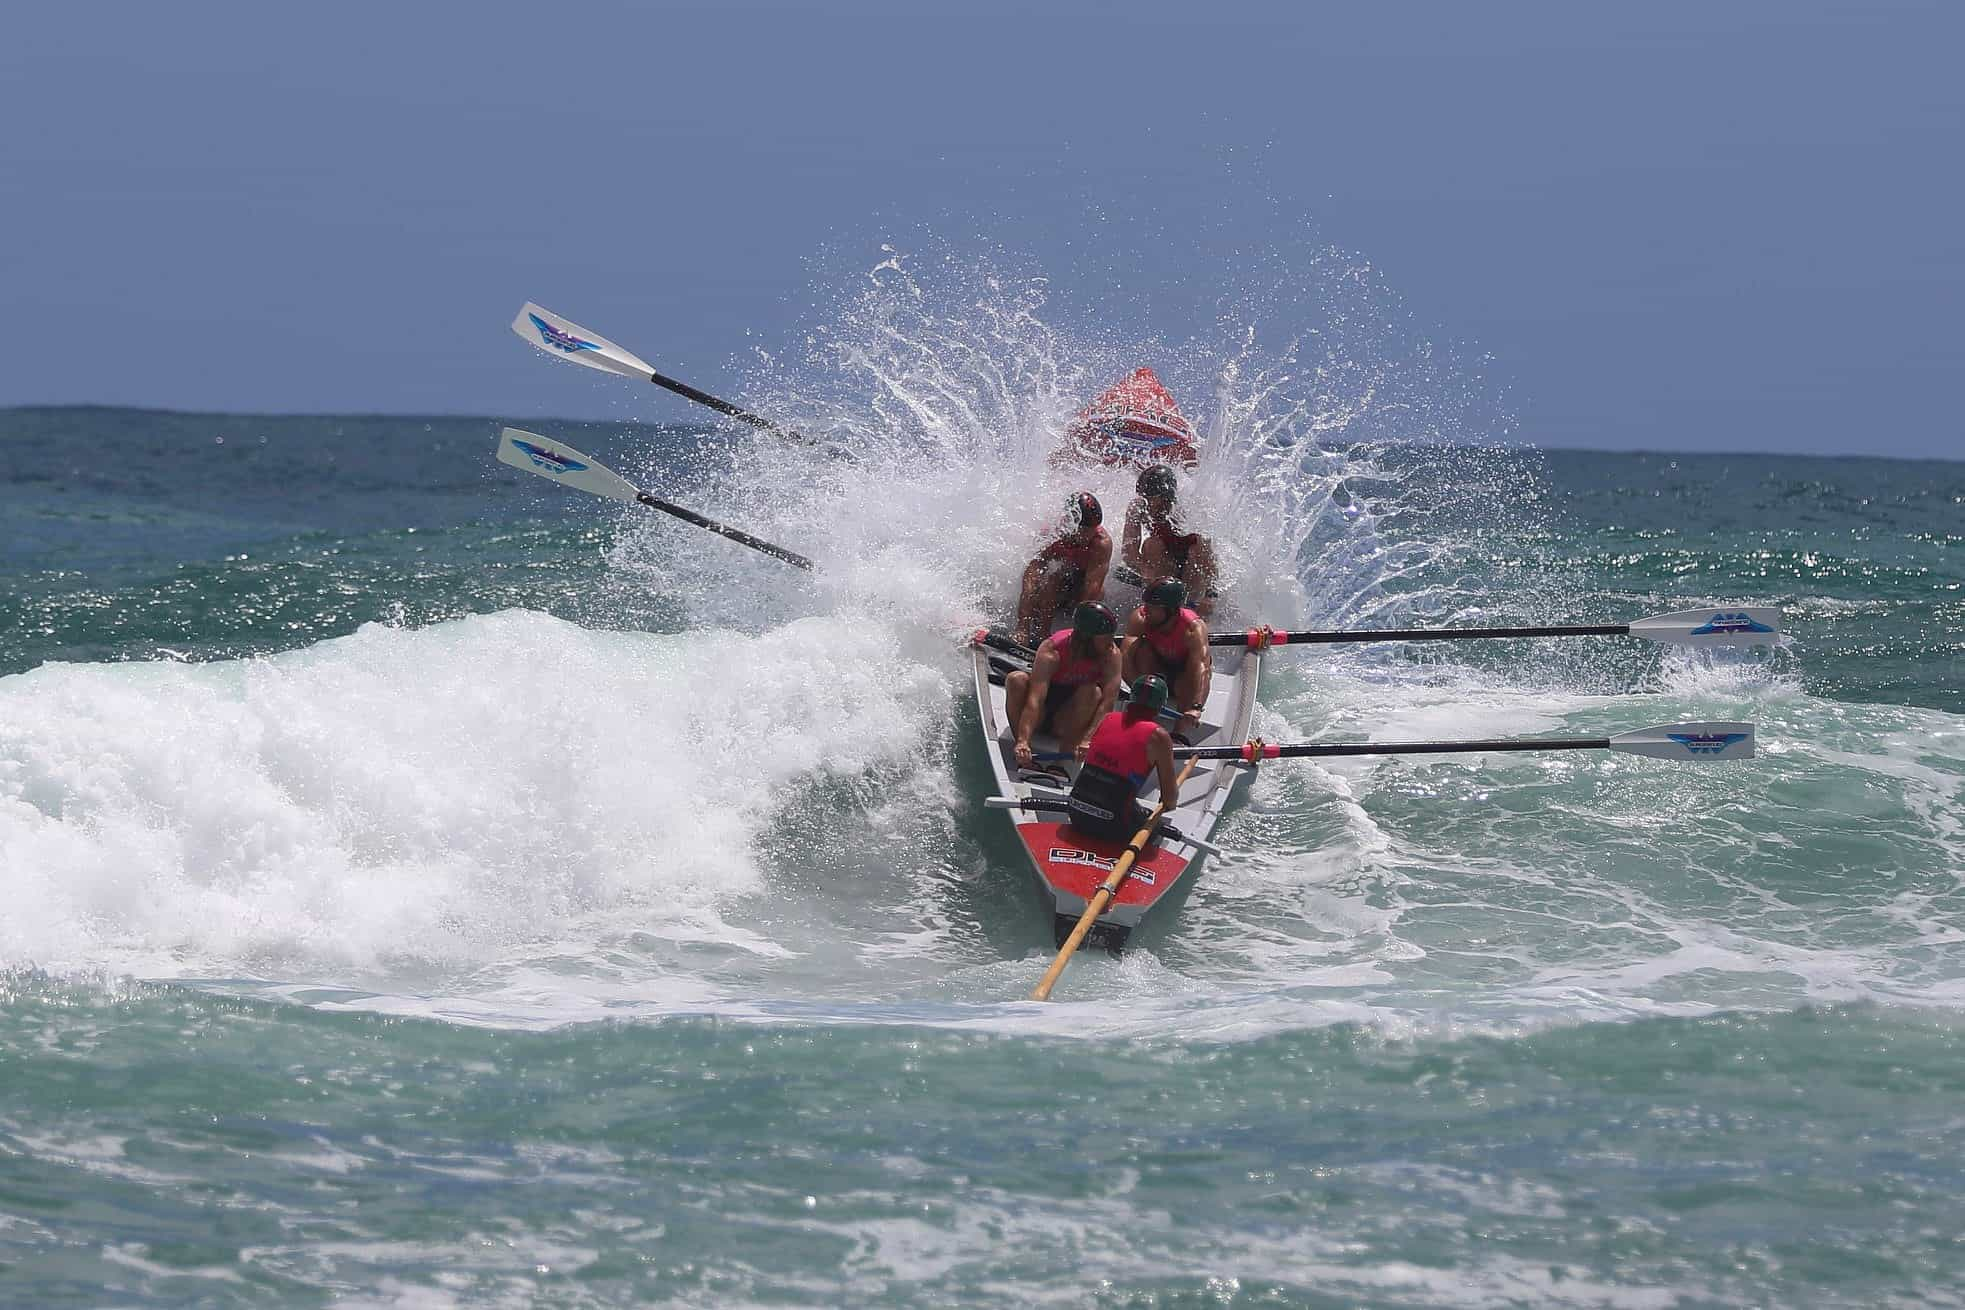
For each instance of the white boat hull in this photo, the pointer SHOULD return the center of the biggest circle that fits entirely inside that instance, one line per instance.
(1069, 865)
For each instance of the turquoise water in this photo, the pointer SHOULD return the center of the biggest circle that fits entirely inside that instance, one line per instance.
(428, 887)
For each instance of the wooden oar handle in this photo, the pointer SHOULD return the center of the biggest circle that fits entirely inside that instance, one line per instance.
(1106, 891)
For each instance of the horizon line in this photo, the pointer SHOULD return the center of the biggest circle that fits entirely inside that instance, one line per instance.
(459, 417)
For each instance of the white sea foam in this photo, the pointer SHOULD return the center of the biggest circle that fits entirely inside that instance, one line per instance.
(512, 820)
(436, 798)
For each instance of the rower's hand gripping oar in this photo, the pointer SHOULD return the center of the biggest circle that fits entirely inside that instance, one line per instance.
(1735, 625)
(565, 339)
(1696, 743)
(1121, 869)
(561, 463)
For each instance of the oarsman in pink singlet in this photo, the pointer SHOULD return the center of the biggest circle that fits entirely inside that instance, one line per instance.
(1163, 636)
(1068, 571)
(1153, 545)
(1126, 746)
(1072, 682)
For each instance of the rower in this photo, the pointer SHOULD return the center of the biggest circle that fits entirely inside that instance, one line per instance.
(1154, 545)
(1069, 570)
(1125, 747)
(1165, 637)
(1072, 682)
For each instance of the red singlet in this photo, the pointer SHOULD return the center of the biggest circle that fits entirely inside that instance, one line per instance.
(1119, 745)
(1072, 671)
(1170, 642)
(1078, 554)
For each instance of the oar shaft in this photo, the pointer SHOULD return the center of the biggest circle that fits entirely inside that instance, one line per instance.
(1324, 750)
(723, 406)
(1259, 637)
(1121, 868)
(725, 530)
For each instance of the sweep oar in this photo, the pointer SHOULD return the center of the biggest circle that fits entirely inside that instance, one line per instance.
(565, 339)
(563, 464)
(1121, 868)
(1696, 742)
(1738, 625)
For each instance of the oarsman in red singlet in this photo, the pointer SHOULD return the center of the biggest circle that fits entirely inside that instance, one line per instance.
(1153, 545)
(1126, 746)
(1068, 571)
(1072, 682)
(1163, 636)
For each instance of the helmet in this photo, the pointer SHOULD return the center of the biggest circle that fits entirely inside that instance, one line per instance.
(1150, 694)
(1082, 511)
(1094, 620)
(1157, 480)
(1168, 592)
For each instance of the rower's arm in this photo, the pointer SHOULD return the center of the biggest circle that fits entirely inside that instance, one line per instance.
(1129, 549)
(1093, 587)
(1199, 650)
(1108, 692)
(1161, 751)
(1135, 626)
(1041, 669)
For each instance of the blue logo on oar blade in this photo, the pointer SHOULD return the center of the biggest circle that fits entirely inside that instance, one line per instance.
(1706, 743)
(1723, 623)
(559, 340)
(550, 460)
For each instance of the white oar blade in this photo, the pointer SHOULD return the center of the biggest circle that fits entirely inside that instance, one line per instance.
(1731, 625)
(1697, 742)
(562, 463)
(568, 340)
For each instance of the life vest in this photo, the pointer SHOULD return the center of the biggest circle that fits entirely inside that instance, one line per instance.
(1073, 671)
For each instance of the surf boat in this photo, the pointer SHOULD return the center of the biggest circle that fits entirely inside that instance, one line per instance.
(1100, 881)
(1134, 422)
(1069, 865)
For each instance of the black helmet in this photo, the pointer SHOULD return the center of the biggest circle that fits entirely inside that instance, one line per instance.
(1157, 480)
(1150, 694)
(1094, 620)
(1169, 592)
(1082, 511)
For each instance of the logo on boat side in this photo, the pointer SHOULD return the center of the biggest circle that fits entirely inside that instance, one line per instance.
(1126, 438)
(1706, 743)
(559, 340)
(1072, 855)
(1724, 623)
(550, 460)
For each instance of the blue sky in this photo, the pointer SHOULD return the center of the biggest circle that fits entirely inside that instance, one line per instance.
(1688, 226)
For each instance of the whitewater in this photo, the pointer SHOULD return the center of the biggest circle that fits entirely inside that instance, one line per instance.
(438, 827)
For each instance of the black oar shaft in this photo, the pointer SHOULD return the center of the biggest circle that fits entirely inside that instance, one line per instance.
(723, 406)
(725, 530)
(1324, 750)
(1418, 634)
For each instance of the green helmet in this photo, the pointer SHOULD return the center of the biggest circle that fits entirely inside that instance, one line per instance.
(1150, 695)
(1168, 592)
(1157, 480)
(1094, 620)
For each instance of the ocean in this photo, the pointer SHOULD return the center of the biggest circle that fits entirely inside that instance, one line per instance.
(428, 887)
